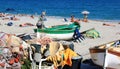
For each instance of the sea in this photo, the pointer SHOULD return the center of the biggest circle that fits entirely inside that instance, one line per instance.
(105, 10)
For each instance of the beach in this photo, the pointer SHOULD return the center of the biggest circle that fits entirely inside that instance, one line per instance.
(107, 33)
(86, 27)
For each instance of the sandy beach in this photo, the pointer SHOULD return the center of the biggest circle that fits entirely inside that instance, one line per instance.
(107, 33)
(59, 34)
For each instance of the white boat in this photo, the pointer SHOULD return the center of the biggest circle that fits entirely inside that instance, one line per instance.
(107, 55)
(59, 32)
(66, 36)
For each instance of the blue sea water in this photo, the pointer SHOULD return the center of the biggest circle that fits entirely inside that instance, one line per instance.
(99, 9)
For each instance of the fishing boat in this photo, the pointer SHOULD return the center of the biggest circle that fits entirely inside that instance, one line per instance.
(59, 32)
(107, 55)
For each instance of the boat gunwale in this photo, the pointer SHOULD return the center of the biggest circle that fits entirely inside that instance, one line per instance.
(96, 49)
(59, 30)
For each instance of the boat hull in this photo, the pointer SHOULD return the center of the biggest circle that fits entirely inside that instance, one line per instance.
(66, 36)
(59, 32)
(109, 59)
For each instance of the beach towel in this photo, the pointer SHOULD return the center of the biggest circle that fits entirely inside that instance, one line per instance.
(93, 34)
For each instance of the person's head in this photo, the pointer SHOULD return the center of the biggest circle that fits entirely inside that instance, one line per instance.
(65, 45)
(104, 24)
(43, 13)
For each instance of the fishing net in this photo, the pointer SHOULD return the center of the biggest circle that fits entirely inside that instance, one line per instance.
(2, 44)
(45, 40)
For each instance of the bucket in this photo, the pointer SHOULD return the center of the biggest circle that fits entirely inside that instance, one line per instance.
(76, 62)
